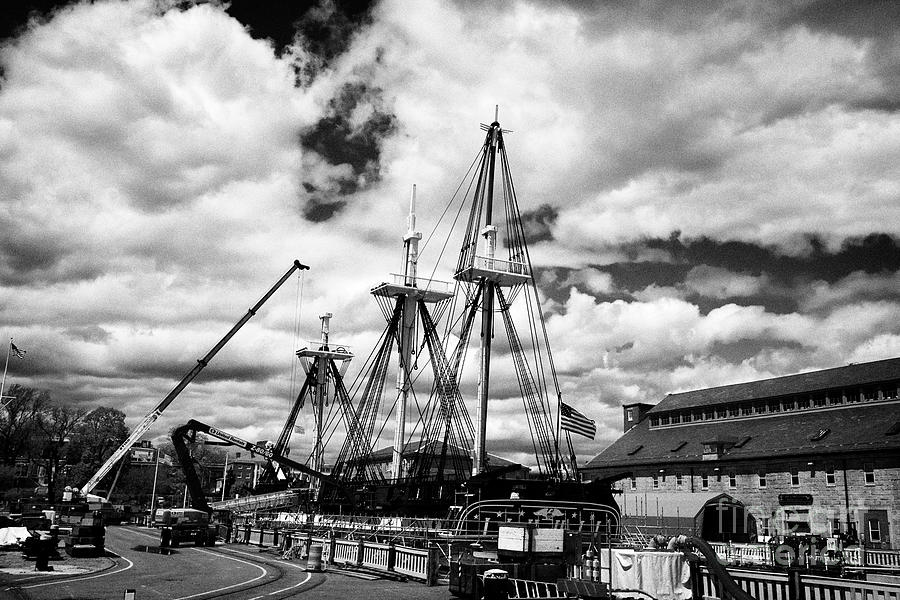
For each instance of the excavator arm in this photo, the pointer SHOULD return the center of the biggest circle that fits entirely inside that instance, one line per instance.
(187, 432)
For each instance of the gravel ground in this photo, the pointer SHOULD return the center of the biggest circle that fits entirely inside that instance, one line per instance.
(13, 563)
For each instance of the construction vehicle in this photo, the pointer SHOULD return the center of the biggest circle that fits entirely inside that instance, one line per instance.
(179, 525)
(187, 433)
(154, 414)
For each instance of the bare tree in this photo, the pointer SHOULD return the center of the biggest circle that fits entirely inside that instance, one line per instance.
(57, 423)
(18, 421)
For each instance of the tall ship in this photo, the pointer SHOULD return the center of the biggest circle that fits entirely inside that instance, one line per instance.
(407, 453)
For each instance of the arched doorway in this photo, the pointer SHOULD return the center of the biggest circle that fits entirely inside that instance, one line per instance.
(724, 519)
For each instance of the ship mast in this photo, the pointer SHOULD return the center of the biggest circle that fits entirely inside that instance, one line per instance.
(492, 283)
(489, 232)
(407, 328)
(407, 289)
(320, 376)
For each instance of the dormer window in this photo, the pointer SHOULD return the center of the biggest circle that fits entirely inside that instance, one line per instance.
(713, 449)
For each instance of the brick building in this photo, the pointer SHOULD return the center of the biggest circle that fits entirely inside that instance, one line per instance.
(814, 453)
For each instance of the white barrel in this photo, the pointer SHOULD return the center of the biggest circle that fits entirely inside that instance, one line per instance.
(314, 562)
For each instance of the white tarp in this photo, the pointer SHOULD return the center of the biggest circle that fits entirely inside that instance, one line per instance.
(11, 536)
(661, 575)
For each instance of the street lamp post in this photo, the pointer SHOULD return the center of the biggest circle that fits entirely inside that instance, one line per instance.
(224, 475)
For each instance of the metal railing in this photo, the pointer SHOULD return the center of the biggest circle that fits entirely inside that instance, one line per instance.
(422, 283)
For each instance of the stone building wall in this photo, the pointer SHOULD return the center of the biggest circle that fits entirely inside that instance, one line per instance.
(827, 510)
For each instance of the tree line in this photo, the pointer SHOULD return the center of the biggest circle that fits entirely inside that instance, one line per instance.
(46, 445)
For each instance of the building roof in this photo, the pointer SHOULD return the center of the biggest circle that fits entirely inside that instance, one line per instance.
(869, 427)
(846, 376)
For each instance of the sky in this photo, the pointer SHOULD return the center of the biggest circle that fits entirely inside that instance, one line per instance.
(710, 189)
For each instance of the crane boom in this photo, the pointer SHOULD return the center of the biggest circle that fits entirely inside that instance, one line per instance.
(154, 414)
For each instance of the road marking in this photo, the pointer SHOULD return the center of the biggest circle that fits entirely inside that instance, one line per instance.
(282, 564)
(308, 577)
(152, 537)
(264, 573)
(104, 574)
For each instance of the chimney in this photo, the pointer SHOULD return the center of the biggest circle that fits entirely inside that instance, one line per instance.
(632, 414)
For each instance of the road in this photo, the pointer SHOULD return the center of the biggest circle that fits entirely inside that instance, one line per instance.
(228, 572)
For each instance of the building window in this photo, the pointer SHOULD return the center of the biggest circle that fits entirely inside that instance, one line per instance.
(629, 414)
(654, 421)
(732, 480)
(795, 478)
(676, 418)
(829, 475)
(633, 482)
(869, 473)
(679, 479)
(655, 482)
(704, 482)
(664, 420)
(874, 530)
(797, 520)
(762, 481)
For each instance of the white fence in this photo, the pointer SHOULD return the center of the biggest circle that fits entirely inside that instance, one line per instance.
(778, 586)
(762, 554)
(760, 585)
(416, 563)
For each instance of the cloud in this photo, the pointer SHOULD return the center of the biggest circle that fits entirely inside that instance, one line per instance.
(710, 192)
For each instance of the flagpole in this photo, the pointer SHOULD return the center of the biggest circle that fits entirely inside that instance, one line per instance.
(558, 430)
(5, 366)
(224, 475)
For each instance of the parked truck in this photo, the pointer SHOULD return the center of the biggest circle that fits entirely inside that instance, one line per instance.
(179, 525)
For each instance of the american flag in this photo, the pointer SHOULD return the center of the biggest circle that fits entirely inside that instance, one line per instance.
(572, 420)
(15, 350)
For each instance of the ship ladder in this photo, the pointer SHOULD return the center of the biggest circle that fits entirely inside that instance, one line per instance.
(522, 589)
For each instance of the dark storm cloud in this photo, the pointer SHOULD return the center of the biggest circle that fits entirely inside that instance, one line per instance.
(873, 253)
(165, 368)
(340, 141)
(88, 333)
(866, 20)
(859, 19)
(538, 223)
(324, 29)
(29, 257)
(746, 349)
(317, 211)
(16, 14)
(784, 280)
